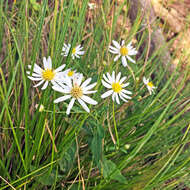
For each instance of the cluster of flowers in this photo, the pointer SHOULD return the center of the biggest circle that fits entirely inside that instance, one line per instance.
(71, 84)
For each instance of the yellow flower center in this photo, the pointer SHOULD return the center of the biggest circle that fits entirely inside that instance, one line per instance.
(76, 91)
(123, 51)
(70, 73)
(116, 87)
(48, 74)
(73, 50)
(150, 84)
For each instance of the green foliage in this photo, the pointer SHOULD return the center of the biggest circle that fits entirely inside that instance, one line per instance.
(142, 144)
(36, 6)
(111, 171)
(67, 159)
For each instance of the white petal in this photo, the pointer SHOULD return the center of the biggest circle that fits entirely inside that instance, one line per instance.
(113, 96)
(69, 83)
(58, 88)
(54, 82)
(117, 57)
(34, 78)
(60, 68)
(36, 69)
(123, 98)
(73, 56)
(124, 61)
(63, 49)
(116, 44)
(106, 79)
(106, 94)
(80, 52)
(45, 85)
(83, 105)
(114, 49)
(79, 79)
(64, 86)
(122, 80)
(62, 98)
(118, 77)
(77, 56)
(130, 59)
(89, 100)
(90, 86)
(117, 98)
(78, 47)
(145, 80)
(110, 78)
(106, 84)
(89, 92)
(133, 52)
(129, 45)
(114, 52)
(150, 91)
(34, 74)
(86, 82)
(39, 83)
(126, 84)
(70, 105)
(126, 91)
(49, 63)
(113, 76)
(45, 63)
(124, 95)
(123, 43)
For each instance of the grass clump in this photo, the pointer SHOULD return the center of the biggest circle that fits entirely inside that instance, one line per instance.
(136, 139)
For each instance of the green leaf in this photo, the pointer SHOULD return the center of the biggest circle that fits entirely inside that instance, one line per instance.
(76, 187)
(47, 179)
(110, 171)
(96, 147)
(68, 158)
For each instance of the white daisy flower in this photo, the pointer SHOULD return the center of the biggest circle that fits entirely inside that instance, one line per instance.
(69, 73)
(76, 91)
(91, 6)
(123, 51)
(116, 86)
(150, 86)
(76, 51)
(45, 75)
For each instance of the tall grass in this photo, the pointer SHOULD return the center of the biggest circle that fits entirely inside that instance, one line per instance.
(142, 144)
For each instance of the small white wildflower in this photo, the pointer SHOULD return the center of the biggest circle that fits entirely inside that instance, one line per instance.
(45, 75)
(91, 6)
(69, 73)
(76, 91)
(150, 86)
(76, 51)
(116, 86)
(123, 51)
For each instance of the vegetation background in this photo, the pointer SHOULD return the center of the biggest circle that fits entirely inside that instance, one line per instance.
(50, 150)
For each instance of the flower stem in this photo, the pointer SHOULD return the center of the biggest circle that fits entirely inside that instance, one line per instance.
(115, 127)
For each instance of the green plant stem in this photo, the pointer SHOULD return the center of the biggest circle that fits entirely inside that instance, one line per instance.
(115, 127)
